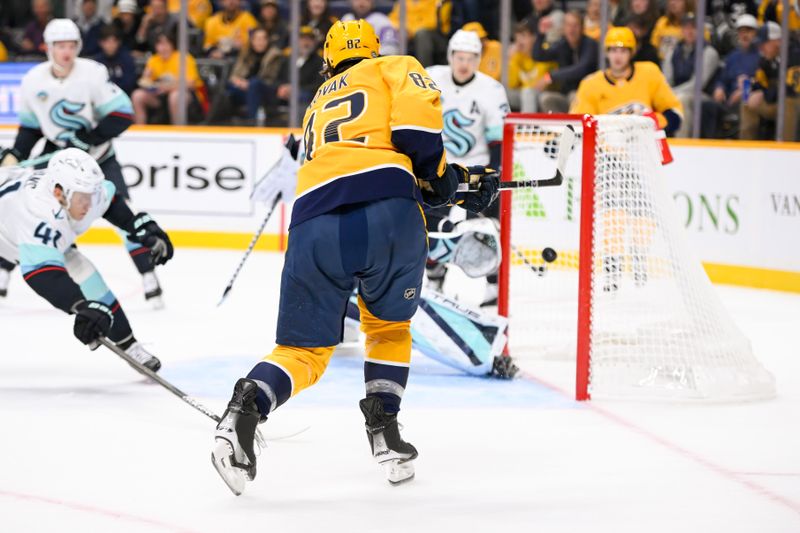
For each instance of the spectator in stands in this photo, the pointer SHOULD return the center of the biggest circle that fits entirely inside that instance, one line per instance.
(576, 55)
(487, 12)
(270, 18)
(740, 65)
(546, 20)
(33, 39)
(117, 59)
(309, 64)
(762, 102)
(667, 31)
(90, 24)
(723, 16)
(158, 86)
(592, 20)
(155, 22)
(317, 16)
(257, 66)
(645, 10)
(228, 31)
(198, 11)
(15, 14)
(773, 10)
(680, 73)
(427, 27)
(645, 51)
(491, 53)
(386, 32)
(524, 72)
(127, 23)
(3, 53)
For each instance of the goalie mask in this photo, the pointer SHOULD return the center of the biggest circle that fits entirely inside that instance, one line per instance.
(474, 247)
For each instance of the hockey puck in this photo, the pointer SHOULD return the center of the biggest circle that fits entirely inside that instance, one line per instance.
(549, 255)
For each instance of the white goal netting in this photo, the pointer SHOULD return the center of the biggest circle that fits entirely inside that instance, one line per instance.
(654, 327)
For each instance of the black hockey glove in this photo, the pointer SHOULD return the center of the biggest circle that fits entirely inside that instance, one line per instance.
(92, 320)
(77, 139)
(484, 183)
(442, 189)
(148, 233)
(10, 157)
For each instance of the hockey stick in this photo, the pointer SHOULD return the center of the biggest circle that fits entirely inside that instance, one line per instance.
(158, 379)
(36, 160)
(249, 249)
(177, 392)
(566, 142)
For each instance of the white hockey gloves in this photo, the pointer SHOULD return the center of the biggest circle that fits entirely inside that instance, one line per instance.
(281, 179)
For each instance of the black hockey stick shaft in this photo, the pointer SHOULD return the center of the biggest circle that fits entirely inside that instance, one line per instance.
(249, 249)
(158, 379)
(565, 144)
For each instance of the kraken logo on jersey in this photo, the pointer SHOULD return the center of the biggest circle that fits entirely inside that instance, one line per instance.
(64, 114)
(458, 141)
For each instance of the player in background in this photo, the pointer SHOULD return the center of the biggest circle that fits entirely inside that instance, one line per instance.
(387, 33)
(71, 102)
(373, 153)
(42, 212)
(627, 88)
(474, 106)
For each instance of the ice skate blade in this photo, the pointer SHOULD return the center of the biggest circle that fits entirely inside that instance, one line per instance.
(222, 458)
(399, 472)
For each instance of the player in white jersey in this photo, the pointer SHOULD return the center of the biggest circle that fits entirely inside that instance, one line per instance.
(72, 102)
(386, 32)
(474, 106)
(41, 214)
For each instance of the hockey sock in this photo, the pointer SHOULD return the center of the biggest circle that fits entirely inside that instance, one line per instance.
(386, 382)
(271, 381)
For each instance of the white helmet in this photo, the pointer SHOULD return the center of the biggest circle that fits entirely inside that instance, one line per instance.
(61, 30)
(75, 171)
(464, 41)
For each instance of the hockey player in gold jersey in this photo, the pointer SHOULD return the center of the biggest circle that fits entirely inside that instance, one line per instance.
(373, 154)
(627, 88)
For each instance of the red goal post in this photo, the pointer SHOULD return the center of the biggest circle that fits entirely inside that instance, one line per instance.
(624, 297)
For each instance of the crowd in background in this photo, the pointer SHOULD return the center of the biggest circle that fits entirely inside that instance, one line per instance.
(238, 70)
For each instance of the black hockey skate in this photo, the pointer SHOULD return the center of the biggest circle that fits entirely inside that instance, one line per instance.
(388, 448)
(234, 454)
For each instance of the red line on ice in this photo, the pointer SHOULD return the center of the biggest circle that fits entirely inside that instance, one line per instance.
(702, 461)
(93, 510)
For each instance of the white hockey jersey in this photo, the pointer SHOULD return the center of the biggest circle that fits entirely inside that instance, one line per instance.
(473, 115)
(59, 105)
(35, 230)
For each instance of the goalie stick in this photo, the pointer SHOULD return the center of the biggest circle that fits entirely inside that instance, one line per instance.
(565, 145)
(249, 249)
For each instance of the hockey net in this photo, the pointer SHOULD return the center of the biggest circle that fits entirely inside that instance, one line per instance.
(622, 294)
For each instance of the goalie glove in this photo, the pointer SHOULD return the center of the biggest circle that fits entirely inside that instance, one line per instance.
(281, 179)
(148, 233)
(484, 183)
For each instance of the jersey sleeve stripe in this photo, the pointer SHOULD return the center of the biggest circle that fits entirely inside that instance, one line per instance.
(28, 120)
(50, 268)
(417, 128)
(120, 104)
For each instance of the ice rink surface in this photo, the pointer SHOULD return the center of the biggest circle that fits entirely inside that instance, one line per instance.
(87, 445)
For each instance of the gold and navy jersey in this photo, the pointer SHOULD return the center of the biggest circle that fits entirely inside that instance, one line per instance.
(643, 91)
(369, 132)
